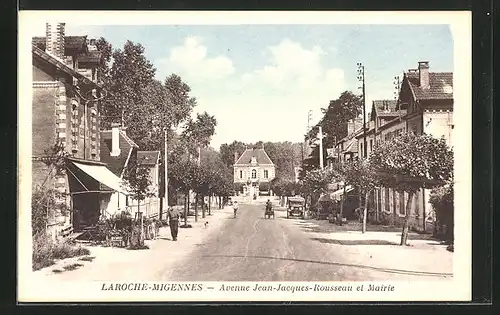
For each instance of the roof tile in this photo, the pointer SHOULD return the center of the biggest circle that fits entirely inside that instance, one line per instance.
(260, 155)
(441, 86)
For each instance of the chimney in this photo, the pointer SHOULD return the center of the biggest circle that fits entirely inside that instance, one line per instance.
(115, 139)
(235, 157)
(423, 74)
(54, 36)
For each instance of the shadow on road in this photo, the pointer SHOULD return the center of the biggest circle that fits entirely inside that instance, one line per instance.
(354, 242)
(411, 236)
(387, 270)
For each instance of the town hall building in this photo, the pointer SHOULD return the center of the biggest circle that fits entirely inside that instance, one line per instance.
(253, 169)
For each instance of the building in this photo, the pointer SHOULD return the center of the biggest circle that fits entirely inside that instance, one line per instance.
(346, 148)
(151, 160)
(116, 150)
(251, 169)
(424, 105)
(65, 116)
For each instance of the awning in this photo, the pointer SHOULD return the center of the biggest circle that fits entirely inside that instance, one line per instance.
(336, 195)
(103, 175)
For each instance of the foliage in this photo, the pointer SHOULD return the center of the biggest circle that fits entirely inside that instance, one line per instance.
(198, 132)
(227, 151)
(317, 181)
(106, 50)
(264, 186)
(45, 251)
(409, 162)
(441, 199)
(359, 173)
(44, 205)
(284, 187)
(422, 158)
(285, 156)
(55, 157)
(137, 180)
(182, 175)
(335, 117)
(126, 80)
(238, 187)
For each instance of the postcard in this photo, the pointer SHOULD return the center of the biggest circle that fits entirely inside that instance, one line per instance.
(244, 156)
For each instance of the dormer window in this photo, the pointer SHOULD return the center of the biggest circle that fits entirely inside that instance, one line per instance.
(254, 160)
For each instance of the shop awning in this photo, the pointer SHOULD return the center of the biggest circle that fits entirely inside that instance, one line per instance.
(103, 175)
(336, 195)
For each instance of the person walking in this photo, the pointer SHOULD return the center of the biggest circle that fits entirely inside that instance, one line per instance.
(235, 208)
(173, 216)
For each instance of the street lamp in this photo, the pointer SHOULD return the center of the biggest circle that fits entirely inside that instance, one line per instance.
(361, 79)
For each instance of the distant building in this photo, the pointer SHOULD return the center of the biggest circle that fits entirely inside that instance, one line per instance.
(252, 168)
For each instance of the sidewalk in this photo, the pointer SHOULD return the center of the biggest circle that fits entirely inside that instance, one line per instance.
(113, 263)
(381, 250)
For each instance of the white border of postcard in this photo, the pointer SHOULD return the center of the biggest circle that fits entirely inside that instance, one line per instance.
(456, 289)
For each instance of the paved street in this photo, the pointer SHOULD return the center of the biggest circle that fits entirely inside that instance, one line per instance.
(251, 248)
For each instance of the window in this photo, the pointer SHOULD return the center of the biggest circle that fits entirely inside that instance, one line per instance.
(254, 174)
(241, 174)
(361, 152)
(266, 174)
(371, 145)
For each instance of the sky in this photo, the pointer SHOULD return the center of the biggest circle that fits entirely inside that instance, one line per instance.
(260, 81)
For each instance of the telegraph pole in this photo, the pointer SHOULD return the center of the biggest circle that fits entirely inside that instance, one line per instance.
(320, 147)
(361, 78)
(166, 174)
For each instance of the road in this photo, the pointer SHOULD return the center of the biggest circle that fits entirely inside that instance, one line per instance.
(251, 248)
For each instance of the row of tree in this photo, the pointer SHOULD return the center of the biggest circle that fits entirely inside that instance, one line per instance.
(150, 109)
(406, 163)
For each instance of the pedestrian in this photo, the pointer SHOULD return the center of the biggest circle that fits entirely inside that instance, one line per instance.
(173, 216)
(235, 207)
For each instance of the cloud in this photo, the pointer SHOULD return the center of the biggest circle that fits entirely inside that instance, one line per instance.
(268, 103)
(297, 70)
(192, 62)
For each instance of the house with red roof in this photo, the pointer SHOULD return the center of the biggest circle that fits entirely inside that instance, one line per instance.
(252, 168)
(424, 105)
(118, 150)
(66, 97)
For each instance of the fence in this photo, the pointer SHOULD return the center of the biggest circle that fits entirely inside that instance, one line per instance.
(149, 208)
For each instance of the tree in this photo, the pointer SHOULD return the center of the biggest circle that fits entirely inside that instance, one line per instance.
(106, 50)
(199, 132)
(137, 180)
(227, 151)
(441, 199)
(181, 177)
(409, 162)
(360, 174)
(130, 74)
(335, 117)
(316, 183)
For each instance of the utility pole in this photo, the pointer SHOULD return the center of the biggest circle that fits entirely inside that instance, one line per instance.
(166, 174)
(361, 78)
(320, 147)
